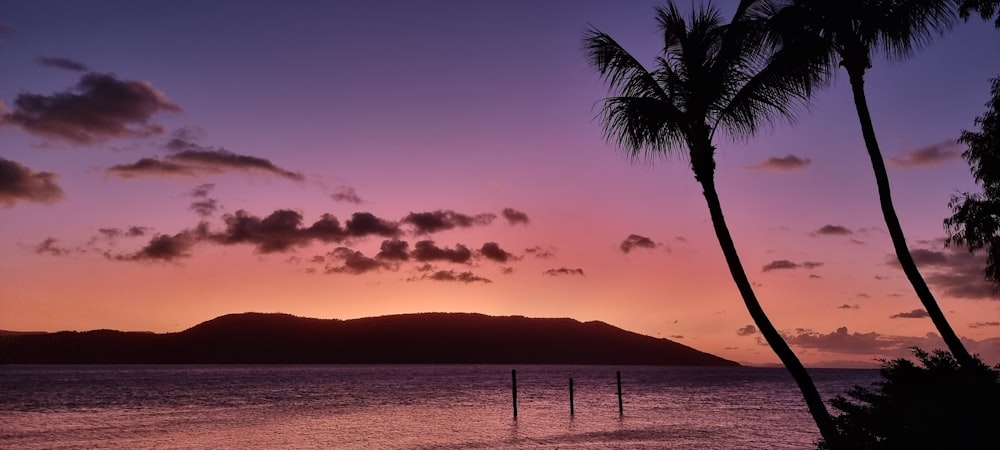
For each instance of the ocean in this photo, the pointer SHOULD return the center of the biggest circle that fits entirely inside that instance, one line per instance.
(407, 407)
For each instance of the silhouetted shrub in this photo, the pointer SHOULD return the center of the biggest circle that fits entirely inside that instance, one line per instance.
(936, 405)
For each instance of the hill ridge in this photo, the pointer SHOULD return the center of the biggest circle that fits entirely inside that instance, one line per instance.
(411, 338)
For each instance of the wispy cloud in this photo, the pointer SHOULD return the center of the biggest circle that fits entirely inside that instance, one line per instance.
(747, 330)
(62, 63)
(953, 271)
(20, 183)
(203, 205)
(782, 164)
(347, 194)
(932, 155)
(541, 252)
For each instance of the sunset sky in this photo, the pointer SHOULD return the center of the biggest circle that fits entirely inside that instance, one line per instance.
(176, 161)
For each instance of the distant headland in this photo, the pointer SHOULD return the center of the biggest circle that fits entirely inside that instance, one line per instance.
(424, 338)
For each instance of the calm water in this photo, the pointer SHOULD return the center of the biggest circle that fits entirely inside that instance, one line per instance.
(399, 406)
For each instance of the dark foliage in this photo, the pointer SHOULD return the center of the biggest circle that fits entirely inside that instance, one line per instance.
(936, 404)
(985, 8)
(975, 220)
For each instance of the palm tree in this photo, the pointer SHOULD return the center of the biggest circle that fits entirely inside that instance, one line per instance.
(710, 76)
(846, 33)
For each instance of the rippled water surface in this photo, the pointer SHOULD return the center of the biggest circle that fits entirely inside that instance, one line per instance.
(403, 407)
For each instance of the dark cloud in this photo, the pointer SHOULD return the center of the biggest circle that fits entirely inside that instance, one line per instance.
(366, 224)
(833, 230)
(280, 231)
(636, 241)
(347, 194)
(812, 275)
(166, 248)
(846, 306)
(784, 264)
(50, 247)
(779, 264)
(20, 183)
(932, 155)
(100, 107)
(952, 271)
(540, 252)
(785, 163)
(563, 271)
(984, 324)
(462, 277)
(394, 250)
(441, 220)
(915, 314)
(62, 63)
(284, 230)
(425, 251)
(354, 262)
(514, 216)
(492, 251)
(747, 330)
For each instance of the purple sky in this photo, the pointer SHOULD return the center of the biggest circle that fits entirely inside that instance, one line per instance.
(181, 157)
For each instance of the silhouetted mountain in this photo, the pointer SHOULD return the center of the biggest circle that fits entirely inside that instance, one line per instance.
(428, 338)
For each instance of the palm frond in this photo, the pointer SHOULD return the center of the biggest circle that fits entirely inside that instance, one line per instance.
(909, 25)
(643, 126)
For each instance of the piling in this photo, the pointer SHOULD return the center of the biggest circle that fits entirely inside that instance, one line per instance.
(513, 389)
(620, 408)
(571, 396)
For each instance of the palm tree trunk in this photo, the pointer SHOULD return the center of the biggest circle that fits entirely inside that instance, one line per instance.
(813, 400)
(896, 231)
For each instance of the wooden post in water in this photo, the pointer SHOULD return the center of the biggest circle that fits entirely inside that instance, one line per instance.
(513, 388)
(571, 396)
(619, 376)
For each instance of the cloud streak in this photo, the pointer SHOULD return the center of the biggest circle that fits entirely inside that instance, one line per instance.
(785, 163)
(784, 264)
(62, 63)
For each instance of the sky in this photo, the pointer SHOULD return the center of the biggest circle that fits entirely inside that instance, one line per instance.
(165, 163)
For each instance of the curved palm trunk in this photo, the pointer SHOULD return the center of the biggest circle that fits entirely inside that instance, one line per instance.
(813, 400)
(896, 231)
